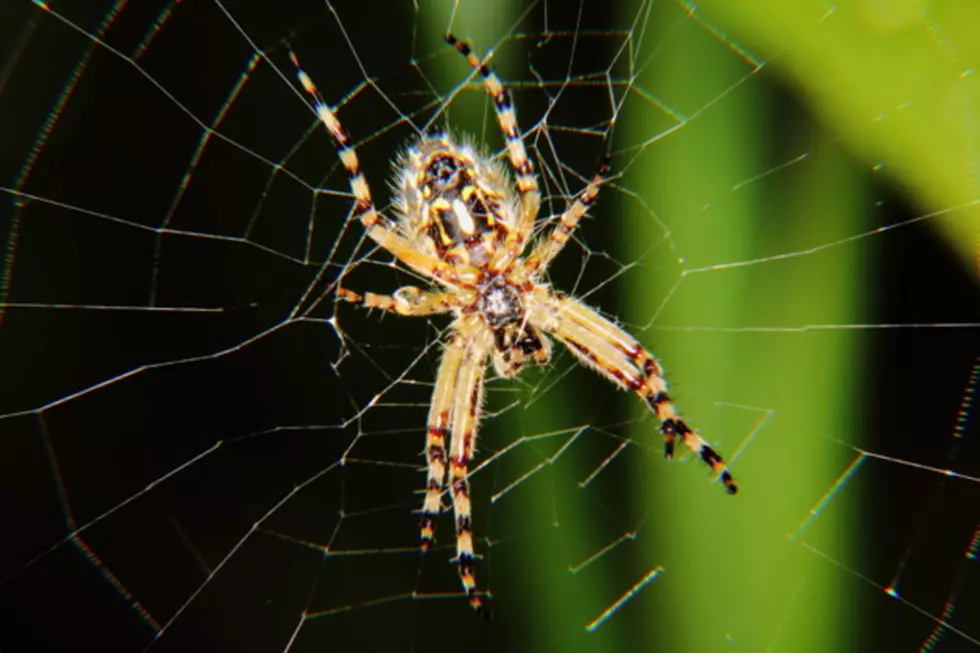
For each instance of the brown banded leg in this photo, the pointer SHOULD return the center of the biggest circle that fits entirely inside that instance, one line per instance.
(672, 425)
(468, 399)
(408, 300)
(440, 413)
(545, 252)
(615, 354)
(527, 184)
(364, 208)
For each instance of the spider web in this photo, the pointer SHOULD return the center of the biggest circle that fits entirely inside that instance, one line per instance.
(201, 450)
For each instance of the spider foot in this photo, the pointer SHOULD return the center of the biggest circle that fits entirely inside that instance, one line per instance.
(729, 482)
(466, 562)
(479, 604)
(673, 427)
(346, 295)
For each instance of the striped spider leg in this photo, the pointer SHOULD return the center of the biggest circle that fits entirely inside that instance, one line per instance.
(463, 224)
(527, 183)
(364, 209)
(600, 344)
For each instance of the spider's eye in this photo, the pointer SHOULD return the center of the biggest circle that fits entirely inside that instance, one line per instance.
(443, 173)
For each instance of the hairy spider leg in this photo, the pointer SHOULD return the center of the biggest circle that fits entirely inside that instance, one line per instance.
(364, 208)
(527, 183)
(467, 405)
(407, 300)
(545, 252)
(606, 348)
(440, 415)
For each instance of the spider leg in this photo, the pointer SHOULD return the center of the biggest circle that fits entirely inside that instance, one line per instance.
(548, 249)
(364, 208)
(408, 300)
(467, 401)
(435, 439)
(615, 354)
(527, 183)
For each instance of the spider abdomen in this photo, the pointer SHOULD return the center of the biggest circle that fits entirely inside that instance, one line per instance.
(456, 203)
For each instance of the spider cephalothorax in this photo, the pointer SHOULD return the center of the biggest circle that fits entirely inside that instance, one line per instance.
(500, 303)
(464, 225)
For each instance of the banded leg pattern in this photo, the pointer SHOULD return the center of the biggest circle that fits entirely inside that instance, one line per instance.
(408, 300)
(615, 354)
(549, 248)
(435, 438)
(466, 409)
(527, 183)
(364, 208)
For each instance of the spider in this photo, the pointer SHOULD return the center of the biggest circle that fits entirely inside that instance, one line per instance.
(461, 225)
